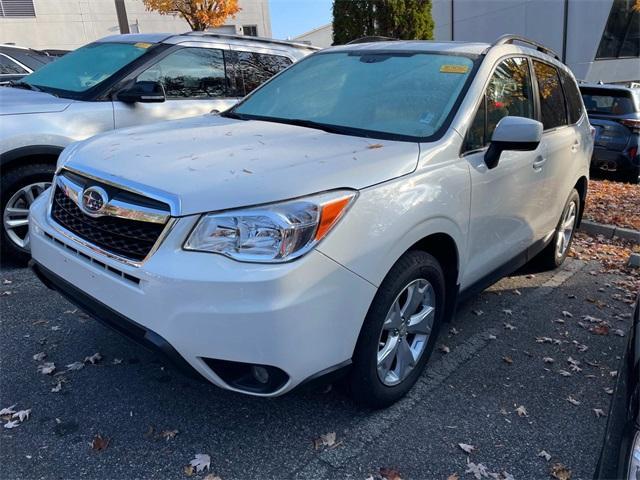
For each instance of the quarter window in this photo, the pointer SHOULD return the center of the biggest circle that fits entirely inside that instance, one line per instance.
(9, 67)
(552, 101)
(574, 102)
(190, 73)
(509, 93)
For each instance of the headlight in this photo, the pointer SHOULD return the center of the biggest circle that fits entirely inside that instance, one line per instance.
(271, 233)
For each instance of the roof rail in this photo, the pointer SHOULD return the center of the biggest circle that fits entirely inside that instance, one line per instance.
(250, 38)
(509, 39)
(371, 39)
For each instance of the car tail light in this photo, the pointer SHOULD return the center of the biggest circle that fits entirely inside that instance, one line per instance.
(633, 151)
(633, 125)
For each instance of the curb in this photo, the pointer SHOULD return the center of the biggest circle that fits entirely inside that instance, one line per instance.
(609, 231)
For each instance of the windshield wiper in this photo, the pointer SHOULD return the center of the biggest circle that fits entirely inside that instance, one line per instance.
(310, 124)
(25, 85)
(232, 114)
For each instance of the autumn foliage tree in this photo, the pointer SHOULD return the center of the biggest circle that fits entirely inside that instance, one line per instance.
(199, 14)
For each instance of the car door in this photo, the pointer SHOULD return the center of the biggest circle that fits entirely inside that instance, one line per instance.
(562, 143)
(195, 81)
(505, 200)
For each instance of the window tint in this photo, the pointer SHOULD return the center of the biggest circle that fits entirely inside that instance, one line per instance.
(9, 67)
(190, 73)
(574, 103)
(253, 69)
(509, 93)
(552, 103)
(608, 101)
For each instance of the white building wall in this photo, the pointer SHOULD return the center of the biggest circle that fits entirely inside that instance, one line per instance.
(319, 37)
(69, 24)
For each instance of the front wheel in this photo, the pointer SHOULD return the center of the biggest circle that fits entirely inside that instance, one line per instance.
(20, 187)
(399, 331)
(554, 255)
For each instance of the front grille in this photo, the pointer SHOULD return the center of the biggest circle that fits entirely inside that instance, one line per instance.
(127, 238)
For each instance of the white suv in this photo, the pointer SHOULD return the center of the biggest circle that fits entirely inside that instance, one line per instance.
(331, 221)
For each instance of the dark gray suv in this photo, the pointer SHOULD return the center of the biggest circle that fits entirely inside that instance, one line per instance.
(614, 111)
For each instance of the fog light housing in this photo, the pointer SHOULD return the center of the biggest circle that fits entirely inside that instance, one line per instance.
(249, 377)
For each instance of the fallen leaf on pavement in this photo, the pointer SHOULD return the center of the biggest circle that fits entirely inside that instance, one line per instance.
(453, 476)
(326, 440)
(168, 434)
(564, 373)
(57, 388)
(117, 361)
(47, 368)
(544, 454)
(618, 332)
(522, 411)
(567, 314)
(477, 312)
(201, 462)
(548, 360)
(608, 391)
(507, 360)
(8, 410)
(444, 349)
(478, 470)
(560, 472)
(99, 443)
(38, 357)
(12, 424)
(75, 366)
(507, 311)
(599, 412)
(572, 400)
(93, 359)
(390, 474)
(22, 415)
(211, 476)
(508, 326)
(601, 329)
(467, 448)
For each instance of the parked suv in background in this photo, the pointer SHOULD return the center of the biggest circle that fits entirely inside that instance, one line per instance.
(331, 220)
(116, 82)
(614, 111)
(17, 62)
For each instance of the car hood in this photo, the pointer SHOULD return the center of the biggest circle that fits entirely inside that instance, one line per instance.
(212, 163)
(14, 101)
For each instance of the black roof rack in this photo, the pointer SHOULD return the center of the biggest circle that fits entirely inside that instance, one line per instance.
(371, 39)
(510, 39)
(250, 38)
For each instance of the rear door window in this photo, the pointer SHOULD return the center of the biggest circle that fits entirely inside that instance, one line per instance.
(253, 69)
(574, 101)
(552, 101)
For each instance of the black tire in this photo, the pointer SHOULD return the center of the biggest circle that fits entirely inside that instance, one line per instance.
(12, 181)
(364, 385)
(549, 259)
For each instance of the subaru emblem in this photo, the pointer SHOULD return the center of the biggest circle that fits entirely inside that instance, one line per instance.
(93, 200)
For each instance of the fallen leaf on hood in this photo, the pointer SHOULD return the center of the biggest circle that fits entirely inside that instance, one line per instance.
(12, 424)
(508, 326)
(6, 282)
(507, 311)
(613, 373)
(618, 332)
(47, 368)
(566, 314)
(211, 476)
(564, 373)
(601, 329)
(188, 470)
(608, 391)
(544, 454)
(38, 357)
(99, 443)
(7, 411)
(444, 349)
(477, 312)
(599, 412)
(508, 360)
(478, 470)
(572, 400)
(517, 292)
(467, 448)
(453, 476)
(57, 388)
(116, 361)
(560, 472)
(22, 415)
(390, 474)
(201, 462)
(548, 360)
(522, 411)
(93, 359)
(75, 366)
(326, 440)
(6, 293)
(491, 337)
(374, 145)
(454, 331)
(55, 328)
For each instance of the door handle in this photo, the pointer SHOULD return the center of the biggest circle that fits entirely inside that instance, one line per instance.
(539, 162)
(574, 147)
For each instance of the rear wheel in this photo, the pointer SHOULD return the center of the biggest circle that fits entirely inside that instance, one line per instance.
(399, 332)
(556, 252)
(20, 187)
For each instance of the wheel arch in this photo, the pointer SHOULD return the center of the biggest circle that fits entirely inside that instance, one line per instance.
(30, 154)
(582, 186)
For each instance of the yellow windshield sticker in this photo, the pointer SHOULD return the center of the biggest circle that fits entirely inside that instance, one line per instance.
(142, 44)
(454, 69)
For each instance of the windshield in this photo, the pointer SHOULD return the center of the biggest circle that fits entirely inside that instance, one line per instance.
(608, 101)
(86, 67)
(399, 95)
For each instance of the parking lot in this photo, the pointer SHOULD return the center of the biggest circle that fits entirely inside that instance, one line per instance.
(529, 366)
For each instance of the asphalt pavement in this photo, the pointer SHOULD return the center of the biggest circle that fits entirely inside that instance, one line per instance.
(513, 376)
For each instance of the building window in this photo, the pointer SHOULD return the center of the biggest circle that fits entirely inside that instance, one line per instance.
(250, 30)
(621, 36)
(17, 8)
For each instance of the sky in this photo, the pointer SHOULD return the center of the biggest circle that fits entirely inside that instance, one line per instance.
(293, 17)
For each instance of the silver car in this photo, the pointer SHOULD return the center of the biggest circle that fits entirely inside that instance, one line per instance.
(116, 82)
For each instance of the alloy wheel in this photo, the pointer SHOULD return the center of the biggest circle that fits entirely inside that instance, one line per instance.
(405, 332)
(15, 217)
(565, 230)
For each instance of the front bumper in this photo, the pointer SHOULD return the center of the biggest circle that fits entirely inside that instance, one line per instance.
(201, 309)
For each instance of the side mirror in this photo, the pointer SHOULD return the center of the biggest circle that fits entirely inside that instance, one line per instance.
(513, 133)
(143, 92)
